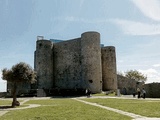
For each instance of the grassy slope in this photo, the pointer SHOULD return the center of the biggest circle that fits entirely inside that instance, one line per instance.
(62, 109)
(5, 102)
(142, 107)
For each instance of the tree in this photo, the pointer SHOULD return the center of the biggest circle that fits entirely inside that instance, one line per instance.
(136, 75)
(21, 72)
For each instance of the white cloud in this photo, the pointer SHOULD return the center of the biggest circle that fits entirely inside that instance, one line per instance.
(3, 84)
(137, 28)
(84, 20)
(0, 74)
(1, 81)
(149, 71)
(156, 65)
(71, 18)
(120, 61)
(152, 75)
(150, 8)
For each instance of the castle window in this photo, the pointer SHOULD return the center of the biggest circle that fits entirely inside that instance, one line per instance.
(91, 81)
(40, 44)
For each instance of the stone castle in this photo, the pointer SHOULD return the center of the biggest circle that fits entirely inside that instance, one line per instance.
(77, 64)
(72, 66)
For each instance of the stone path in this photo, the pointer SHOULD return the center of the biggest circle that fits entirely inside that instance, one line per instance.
(24, 101)
(3, 112)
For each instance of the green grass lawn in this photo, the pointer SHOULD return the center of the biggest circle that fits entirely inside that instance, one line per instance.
(69, 109)
(149, 108)
(5, 102)
(62, 109)
(104, 94)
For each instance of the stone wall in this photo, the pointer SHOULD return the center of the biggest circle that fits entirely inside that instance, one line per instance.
(91, 61)
(3, 94)
(22, 88)
(74, 64)
(109, 71)
(77, 63)
(128, 86)
(67, 65)
(44, 64)
(152, 90)
(80, 64)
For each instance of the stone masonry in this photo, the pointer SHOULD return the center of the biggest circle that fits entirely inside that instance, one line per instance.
(74, 64)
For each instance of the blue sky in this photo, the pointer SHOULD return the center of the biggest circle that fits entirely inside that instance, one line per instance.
(132, 26)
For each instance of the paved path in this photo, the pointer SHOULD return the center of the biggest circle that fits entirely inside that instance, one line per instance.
(3, 112)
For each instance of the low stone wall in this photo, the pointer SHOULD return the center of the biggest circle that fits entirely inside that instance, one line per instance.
(152, 90)
(128, 86)
(3, 94)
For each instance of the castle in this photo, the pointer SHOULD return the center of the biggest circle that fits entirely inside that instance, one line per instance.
(72, 66)
(76, 64)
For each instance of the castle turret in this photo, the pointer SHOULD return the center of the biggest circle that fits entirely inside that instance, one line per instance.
(109, 72)
(44, 64)
(91, 61)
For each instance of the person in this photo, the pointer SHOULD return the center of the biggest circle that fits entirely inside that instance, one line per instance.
(134, 94)
(88, 92)
(138, 92)
(144, 93)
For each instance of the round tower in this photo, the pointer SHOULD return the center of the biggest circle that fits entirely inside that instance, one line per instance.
(91, 61)
(109, 72)
(44, 64)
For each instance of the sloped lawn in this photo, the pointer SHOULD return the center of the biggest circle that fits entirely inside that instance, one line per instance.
(149, 108)
(62, 109)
